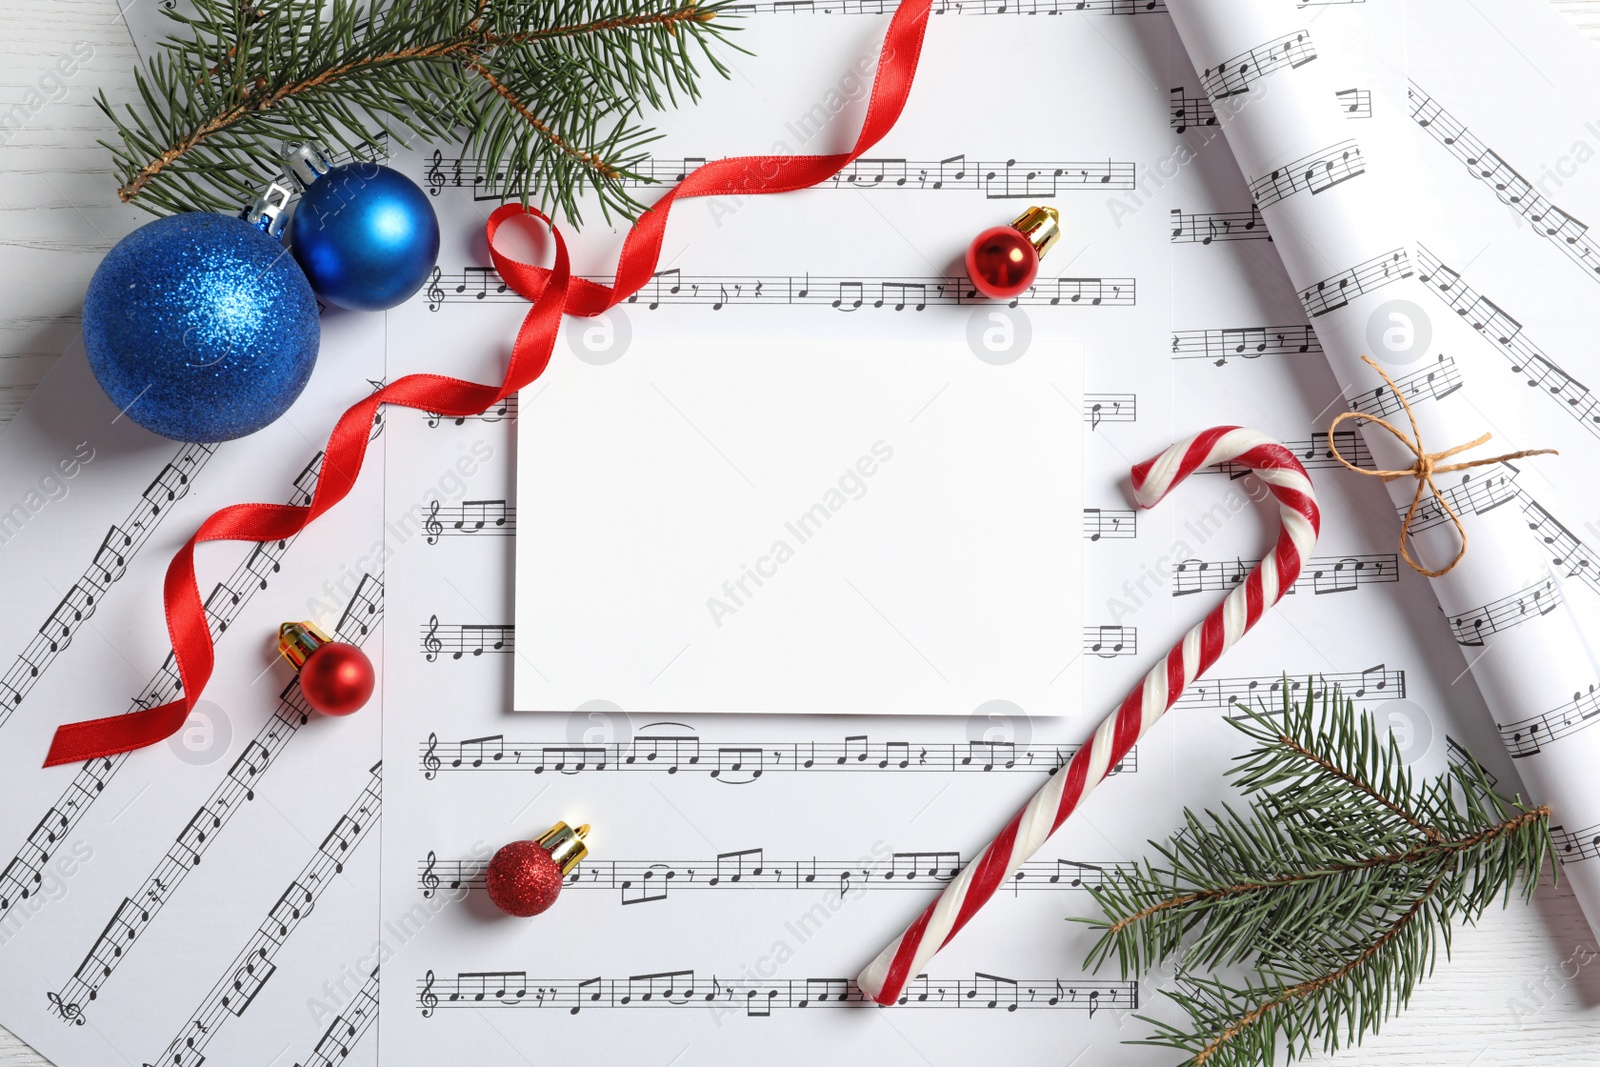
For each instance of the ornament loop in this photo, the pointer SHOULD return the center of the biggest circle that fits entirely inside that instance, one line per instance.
(268, 212)
(305, 161)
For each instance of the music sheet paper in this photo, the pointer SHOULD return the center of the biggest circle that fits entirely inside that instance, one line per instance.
(742, 865)
(186, 901)
(1336, 211)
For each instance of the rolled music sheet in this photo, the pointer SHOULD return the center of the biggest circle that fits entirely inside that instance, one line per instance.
(1334, 206)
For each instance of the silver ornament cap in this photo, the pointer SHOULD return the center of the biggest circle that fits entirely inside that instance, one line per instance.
(269, 212)
(305, 161)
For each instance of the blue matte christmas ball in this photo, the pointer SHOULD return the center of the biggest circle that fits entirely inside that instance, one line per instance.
(199, 328)
(365, 235)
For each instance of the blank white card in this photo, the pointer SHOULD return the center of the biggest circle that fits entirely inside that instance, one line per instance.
(832, 526)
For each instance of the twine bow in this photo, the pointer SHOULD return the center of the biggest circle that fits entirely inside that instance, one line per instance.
(1423, 470)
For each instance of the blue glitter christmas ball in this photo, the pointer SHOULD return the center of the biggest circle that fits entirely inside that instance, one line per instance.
(365, 235)
(200, 328)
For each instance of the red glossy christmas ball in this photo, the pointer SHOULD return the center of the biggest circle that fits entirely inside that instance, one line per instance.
(1001, 262)
(337, 678)
(523, 879)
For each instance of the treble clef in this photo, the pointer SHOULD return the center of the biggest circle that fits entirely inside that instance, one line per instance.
(430, 881)
(433, 527)
(435, 294)
(69, 1012)
(428, 1000)
(435, 175)
(430, 762)
(431, 643)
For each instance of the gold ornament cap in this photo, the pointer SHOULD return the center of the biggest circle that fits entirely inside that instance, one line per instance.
(565, 845)
(297, 640)
(1041, 226)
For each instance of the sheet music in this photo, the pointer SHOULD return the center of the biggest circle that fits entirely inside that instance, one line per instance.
(678, 888)
(693, 411)
(842, 827)
(1329, 212)
(158, 870)
(1522, 279)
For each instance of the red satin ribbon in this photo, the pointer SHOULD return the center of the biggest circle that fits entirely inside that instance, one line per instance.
(553, 292)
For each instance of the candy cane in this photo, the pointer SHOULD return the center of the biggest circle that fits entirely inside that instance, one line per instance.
(886, 977)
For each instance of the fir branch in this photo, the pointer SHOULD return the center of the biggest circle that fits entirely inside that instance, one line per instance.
(1335, 890)
(546, 93)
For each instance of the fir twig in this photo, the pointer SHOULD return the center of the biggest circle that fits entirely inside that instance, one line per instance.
(1335, 890)
(547, 93)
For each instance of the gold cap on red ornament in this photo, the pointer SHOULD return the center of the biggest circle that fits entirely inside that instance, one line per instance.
(1041, 226)
(565, 845)
(297, 640)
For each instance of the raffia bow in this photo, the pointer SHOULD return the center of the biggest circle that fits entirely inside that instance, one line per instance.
(1427, 465)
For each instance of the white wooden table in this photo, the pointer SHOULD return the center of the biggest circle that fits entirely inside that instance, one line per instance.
(1523, 988)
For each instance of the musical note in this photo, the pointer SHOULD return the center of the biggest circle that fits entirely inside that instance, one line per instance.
(1575, 846)
(1110, 641)
(1474, 627)
(243, 979)
(1210, 226)
(470, 518)
(482, 276)
(1316, 173)
(1327, 574)
(1000, 179)
(1375, 685)
(1525, 358)
(1109, 523)
(242, 584)
(1337, 291)
(1109, 407)
(1342, 578)
(349, 1025)
(109, 564)
(684, 988)
(844, 294)
(201, 832)
(1356, 103)
(1433, 382)
(506, 409)
(1236, 76)
(664, 748)
(732, 760)
(1511, 188)
(474, 751)
(1244, 343)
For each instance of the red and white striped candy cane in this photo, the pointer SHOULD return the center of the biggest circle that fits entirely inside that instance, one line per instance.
(886, 977)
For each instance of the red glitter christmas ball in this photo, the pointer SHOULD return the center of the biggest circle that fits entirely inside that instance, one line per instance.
(523, 879)
(337, 678)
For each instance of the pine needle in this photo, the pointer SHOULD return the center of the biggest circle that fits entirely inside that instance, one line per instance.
(547, 93)
(1336, 890)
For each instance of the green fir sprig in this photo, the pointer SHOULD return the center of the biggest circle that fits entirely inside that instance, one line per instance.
(547, 93)
(1333, 893)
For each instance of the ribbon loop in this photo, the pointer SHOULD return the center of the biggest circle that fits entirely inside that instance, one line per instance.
(1423, 470)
